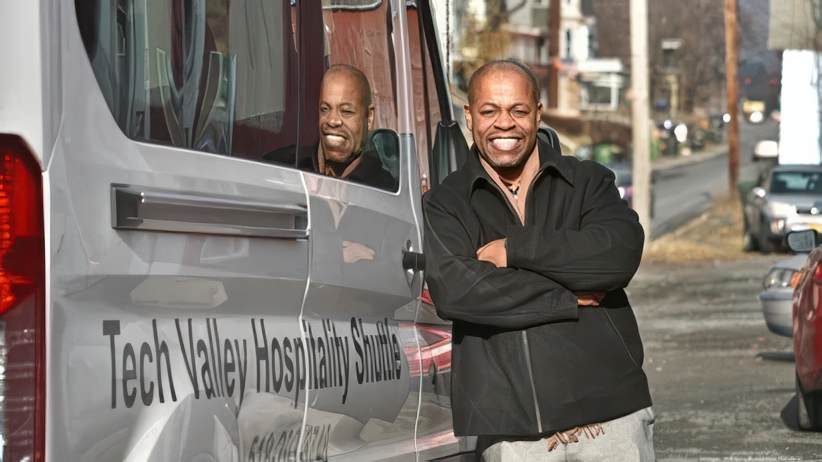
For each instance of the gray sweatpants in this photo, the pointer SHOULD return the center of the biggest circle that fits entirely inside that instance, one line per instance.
(626, 439)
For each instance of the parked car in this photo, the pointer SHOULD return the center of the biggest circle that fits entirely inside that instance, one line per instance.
(807, 329)
(624, 180)
(766, 150)
(788, 197)
(754, 111)
(613, 157)
(776, 298)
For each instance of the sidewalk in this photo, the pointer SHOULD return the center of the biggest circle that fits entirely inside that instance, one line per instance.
(711, 151)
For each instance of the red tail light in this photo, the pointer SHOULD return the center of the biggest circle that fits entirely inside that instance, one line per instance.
(817, 274)
(22, 304)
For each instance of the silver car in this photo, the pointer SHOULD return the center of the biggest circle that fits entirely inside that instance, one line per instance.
(777, 296)
(789, 198)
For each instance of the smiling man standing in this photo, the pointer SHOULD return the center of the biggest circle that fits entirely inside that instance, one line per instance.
(528, 252)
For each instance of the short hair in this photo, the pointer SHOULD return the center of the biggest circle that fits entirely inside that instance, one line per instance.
(360, 80)
(509, 64)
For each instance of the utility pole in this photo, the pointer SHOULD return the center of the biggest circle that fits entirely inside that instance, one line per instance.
(732, 85)
(554, 17)
(641, 115)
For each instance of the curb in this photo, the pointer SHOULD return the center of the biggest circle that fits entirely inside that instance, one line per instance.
(710, 152)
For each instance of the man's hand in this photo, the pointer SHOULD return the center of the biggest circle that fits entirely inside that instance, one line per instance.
(353, 251)
(589, 297)
(494, 252)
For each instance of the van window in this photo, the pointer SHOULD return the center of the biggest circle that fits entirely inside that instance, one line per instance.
(356, 33)
(361, 38)
(213, 76)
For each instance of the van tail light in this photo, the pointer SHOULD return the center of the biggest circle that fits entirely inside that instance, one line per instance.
(22, 304)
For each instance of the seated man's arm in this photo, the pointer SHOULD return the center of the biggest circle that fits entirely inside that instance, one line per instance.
(602, 255)
(467, 289)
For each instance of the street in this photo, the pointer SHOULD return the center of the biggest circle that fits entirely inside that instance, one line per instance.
(722, 384)
(682, 193)
(719, 379)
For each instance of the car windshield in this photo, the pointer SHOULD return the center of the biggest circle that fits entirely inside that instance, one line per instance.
(797, 182)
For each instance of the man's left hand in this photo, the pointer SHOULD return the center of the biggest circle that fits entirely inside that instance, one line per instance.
(589, 297)
(494, 252)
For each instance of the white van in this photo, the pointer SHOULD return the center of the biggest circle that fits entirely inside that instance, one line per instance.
(167, 292)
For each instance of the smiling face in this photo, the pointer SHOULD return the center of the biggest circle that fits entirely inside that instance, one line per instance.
(345, 115)
(504, 117)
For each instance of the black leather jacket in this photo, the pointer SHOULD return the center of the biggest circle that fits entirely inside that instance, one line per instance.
(526, 359)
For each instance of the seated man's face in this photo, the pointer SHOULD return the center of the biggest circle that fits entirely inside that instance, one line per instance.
(345, 118)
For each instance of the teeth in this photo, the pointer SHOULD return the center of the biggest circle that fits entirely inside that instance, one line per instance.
(504, 143)
(334, 139)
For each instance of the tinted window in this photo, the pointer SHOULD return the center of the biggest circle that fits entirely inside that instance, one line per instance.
(357, 34)
(362, 38)
(214, 76)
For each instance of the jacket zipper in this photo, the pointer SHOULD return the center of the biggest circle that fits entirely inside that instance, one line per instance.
(531, 377)
(525, 333)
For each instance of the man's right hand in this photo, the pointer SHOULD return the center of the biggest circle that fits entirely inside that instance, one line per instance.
(354, 251)
(589, 297)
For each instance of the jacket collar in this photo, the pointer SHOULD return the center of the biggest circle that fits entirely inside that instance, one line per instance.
(549, 159)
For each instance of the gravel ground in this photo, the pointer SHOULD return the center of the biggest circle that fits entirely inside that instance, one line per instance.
(723, 385)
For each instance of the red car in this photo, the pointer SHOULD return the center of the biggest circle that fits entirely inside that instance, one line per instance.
(807, 329)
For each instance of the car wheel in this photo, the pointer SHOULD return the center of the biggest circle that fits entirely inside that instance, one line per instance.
(806, 414)
(765, 245)
(748, 239)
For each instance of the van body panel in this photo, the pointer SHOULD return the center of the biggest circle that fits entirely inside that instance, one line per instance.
(22, 78)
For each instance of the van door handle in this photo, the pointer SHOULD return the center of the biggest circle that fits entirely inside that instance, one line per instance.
(413, 261)
(148, 209)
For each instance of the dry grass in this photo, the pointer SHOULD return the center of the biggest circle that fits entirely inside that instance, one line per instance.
(715, 235)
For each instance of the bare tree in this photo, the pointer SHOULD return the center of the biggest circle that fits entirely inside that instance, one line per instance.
(700, 58)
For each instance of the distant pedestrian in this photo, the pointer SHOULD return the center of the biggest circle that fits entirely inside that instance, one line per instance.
(528, 252)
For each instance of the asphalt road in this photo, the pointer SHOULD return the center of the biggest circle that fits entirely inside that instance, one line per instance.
(722, 384)
(683, 193)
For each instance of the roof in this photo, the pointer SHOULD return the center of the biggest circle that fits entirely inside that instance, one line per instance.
(798, 168)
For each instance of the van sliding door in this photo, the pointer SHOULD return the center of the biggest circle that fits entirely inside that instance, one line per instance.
(359, 310)
(179, 234)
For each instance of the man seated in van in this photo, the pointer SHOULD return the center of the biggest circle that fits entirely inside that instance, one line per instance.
(346, 115)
